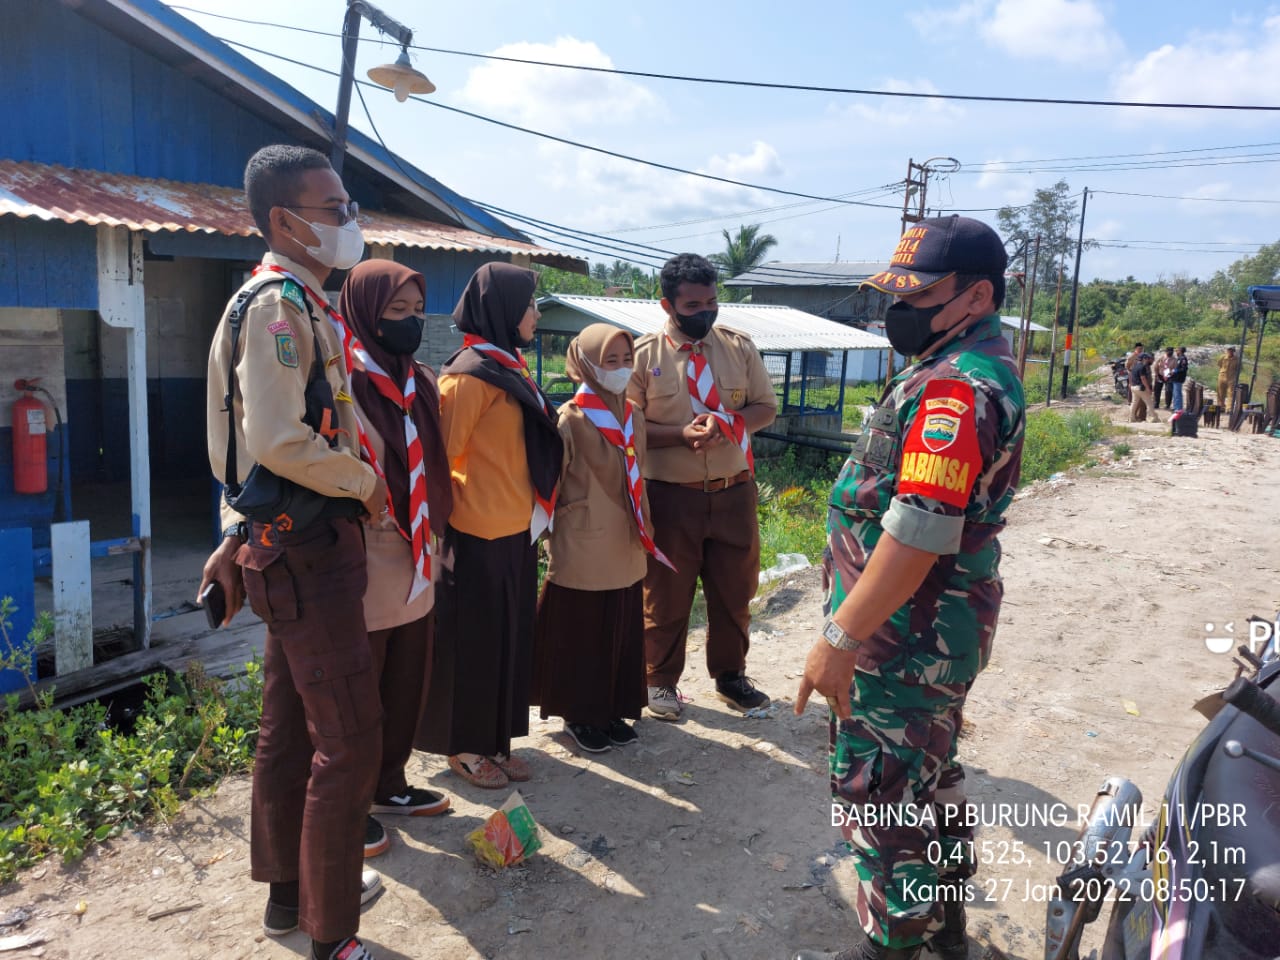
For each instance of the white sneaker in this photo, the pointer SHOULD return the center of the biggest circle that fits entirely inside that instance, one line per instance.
(370, 884)
(664, 703)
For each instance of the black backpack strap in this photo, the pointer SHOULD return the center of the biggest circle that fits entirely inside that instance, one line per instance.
(235, 317)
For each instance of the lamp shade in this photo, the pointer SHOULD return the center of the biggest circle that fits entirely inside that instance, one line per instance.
(402, 78)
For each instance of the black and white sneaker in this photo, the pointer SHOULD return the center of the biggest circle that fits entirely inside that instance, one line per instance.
(589, 738)
(349, 949)
(621, 733)
(737, 690)
(413, 802)
(280, 921)
(376, 841)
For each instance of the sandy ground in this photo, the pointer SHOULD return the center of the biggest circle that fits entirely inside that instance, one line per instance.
(711, 838)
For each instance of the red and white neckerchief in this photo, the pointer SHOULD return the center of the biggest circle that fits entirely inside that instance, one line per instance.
(543, 509)
(419, 534)
(706, 398)
(623, 437)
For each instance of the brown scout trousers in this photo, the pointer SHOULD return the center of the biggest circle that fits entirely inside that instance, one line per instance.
(320, 738)
(715, 536)
(402, 662)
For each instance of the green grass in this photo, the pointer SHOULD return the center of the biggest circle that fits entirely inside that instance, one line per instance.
(1055, 442)
(1121, 449)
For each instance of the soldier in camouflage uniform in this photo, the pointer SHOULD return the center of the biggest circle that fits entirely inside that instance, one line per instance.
(913, 588)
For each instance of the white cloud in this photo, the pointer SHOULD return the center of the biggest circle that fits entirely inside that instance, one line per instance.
(762, 161)
(936, 23)
(1232, 66)
(901, 111)
(1069, 31)
(548, 98)
(613, 194)
(1009, 188)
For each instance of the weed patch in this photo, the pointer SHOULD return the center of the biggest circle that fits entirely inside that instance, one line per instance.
(69, 780)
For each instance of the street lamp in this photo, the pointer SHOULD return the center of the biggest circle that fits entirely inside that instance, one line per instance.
(399, 76)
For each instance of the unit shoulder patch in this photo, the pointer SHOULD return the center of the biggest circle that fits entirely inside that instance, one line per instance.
(294, 294)
(941, 458)
(286, 349)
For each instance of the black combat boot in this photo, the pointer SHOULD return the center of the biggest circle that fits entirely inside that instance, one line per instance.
(950, 943)
(864, 949)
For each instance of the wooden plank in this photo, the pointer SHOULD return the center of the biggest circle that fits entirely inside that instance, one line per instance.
(72, 596)
(223, 653)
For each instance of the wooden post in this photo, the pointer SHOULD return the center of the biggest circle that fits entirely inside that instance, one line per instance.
(72, 596)
(121, 304)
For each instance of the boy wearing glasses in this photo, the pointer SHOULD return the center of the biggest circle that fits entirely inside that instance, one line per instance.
(279, 400)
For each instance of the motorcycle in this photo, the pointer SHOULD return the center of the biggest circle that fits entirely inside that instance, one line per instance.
(1203, 882)
(1121, 377)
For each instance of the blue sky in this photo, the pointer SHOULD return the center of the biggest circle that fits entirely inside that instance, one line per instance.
(829, 144)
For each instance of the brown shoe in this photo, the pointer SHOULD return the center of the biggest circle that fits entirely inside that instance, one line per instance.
(515, 768)
(483, 773)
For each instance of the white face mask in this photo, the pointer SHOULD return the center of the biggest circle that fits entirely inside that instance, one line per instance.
(340, 247)
(614, 381)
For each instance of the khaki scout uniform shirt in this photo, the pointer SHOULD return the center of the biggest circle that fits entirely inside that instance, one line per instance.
(660, 388)
(274, 361)
(595, 544)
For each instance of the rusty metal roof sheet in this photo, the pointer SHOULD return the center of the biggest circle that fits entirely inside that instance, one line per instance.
(73, 195)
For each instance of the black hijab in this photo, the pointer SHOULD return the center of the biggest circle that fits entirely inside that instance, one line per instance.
(491, 307)
(367, 292)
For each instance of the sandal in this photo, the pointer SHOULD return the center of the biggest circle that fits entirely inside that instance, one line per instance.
(515, 769)
(485, 773)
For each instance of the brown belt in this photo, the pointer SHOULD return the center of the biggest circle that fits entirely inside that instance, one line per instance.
(714, 486)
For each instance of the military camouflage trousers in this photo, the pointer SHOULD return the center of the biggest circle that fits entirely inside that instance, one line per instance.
(898, 797)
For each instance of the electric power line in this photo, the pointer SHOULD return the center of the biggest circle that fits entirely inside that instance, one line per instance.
(586, 146)
(1161, 196)
(766, 85)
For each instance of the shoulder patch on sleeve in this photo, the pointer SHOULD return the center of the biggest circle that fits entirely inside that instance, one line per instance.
(286, 350)
(941, 459)
(294, 294)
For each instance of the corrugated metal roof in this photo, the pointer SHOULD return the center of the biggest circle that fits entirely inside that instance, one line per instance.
(773, 328)
(166, 206)
(1016, 323)
(778, 273)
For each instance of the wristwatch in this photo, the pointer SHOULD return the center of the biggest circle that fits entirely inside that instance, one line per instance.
(238, 529)
(834, 635)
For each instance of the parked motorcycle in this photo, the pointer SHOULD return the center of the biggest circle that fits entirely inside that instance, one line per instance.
(1203, 882)
(1121, 376)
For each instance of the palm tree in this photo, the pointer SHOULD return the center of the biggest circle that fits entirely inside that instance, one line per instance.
(742, 253)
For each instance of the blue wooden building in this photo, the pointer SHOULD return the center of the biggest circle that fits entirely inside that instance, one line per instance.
(123, 232)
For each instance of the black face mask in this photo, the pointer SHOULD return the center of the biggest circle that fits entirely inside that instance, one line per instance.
(401, 337)
(696, 325)
(910, 329)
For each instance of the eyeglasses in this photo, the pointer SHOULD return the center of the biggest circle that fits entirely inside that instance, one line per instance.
(345, 212)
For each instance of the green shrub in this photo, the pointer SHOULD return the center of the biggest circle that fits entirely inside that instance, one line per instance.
(69, 780)
(1054, 442)
(1121, 449)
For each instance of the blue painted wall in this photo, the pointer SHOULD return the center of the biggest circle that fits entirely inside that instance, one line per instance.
(74, 94)
(47, 264)
(446, 273)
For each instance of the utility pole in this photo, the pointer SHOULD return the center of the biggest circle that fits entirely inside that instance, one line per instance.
(1029, 302)
(1053, 337)
(916, 187)
(1075, 290)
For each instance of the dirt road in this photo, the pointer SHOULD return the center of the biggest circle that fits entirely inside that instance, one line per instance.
(711, 838)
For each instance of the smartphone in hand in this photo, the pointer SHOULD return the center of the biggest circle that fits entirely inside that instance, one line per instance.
(214, 601)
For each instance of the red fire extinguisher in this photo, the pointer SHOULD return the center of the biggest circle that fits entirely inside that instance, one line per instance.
(30, 448)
